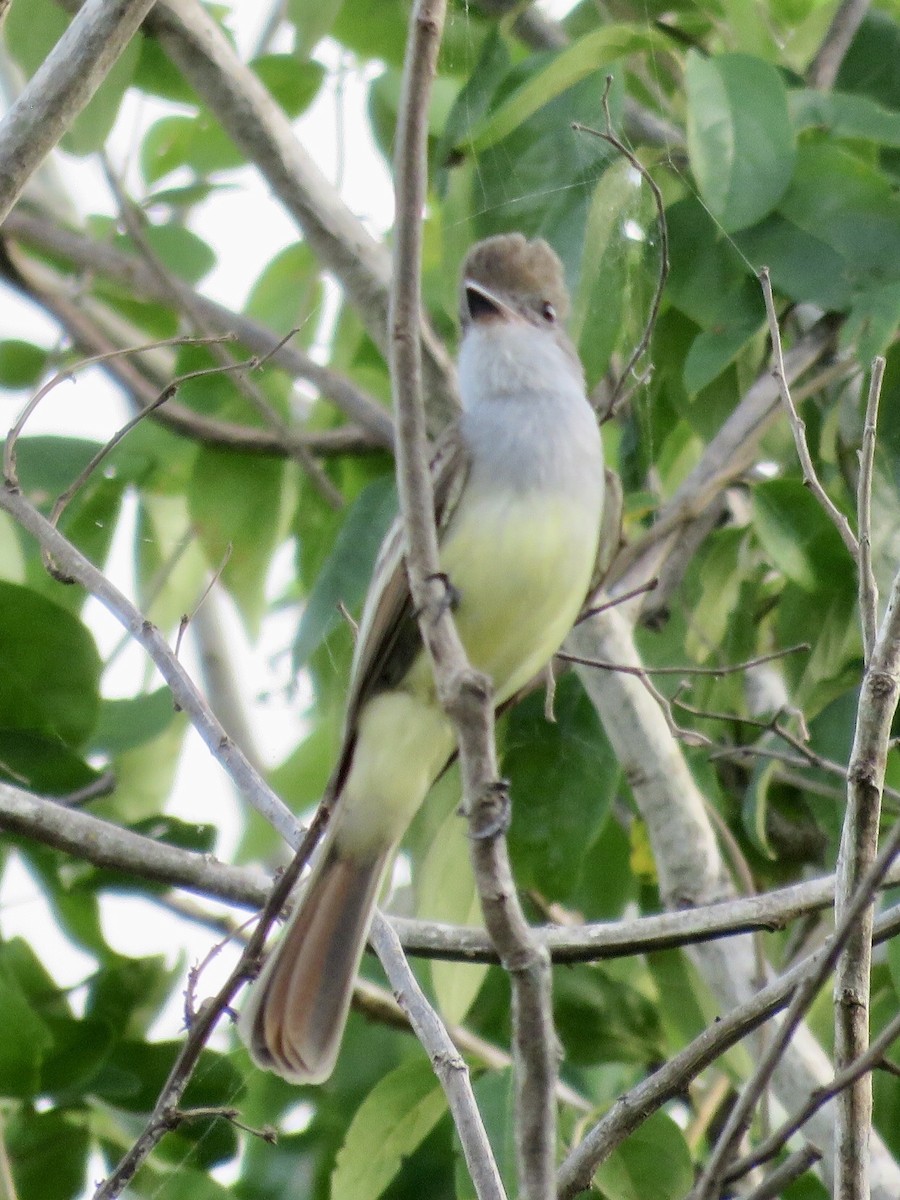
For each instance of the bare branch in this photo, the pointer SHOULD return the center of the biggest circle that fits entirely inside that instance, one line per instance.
(868, 587)
(166, 1115)
(106, 845)
(824, 68)
(798, 426)
(198, 46)
(130, 272)
(859, 844)
(449, 1065)
(846, 929)
(670, 1080)
(861, 1066)
(464, 694)
(61, 87)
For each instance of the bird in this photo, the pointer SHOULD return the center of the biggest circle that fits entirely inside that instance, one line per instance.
(518, 483)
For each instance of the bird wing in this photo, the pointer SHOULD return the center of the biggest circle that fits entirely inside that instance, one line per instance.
(389, 639)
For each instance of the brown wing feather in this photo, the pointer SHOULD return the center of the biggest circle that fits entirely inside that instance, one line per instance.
(389, 639)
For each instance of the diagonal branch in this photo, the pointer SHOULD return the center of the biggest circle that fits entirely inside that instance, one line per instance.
(198, 46)
(109, 846)
(127, 270)
(76, 567)
(61, 87)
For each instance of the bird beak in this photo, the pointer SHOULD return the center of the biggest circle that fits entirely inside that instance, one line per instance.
(485, 305)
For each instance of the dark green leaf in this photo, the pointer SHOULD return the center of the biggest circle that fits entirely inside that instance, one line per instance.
(21, 363)
(48, 1154)
(345, 575)
(797, 535)
(126, 723)
(562, 777)
(22, 1055)
(49, 668)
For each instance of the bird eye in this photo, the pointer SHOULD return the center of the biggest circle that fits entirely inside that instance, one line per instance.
(548, 312)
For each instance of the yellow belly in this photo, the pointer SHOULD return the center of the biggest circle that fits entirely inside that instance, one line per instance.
(521, 566)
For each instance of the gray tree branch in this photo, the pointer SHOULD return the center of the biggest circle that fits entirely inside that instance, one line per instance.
(61, 87)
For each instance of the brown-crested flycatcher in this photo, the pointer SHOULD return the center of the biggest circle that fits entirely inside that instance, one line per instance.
(518, 488)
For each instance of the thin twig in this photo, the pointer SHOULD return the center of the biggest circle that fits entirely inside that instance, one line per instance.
(133, 219)
(715, 672)
(797, 1164)
(448, 1064)
(165, 1111)
(798, 426)
(863, 1065)
(671, 1079)
(10, 476)
(608, 136)
(740, 1115)
(868, 585)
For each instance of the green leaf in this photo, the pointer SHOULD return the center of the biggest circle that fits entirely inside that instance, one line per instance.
(22, 1055)
(797, 536)
(42, 763)
(392, 1121)
(446, 892)
(198, 142)
(756, 798)
(288, 293)
(714, 349)
(124, 724)
(568, 67)
(49, 668)
(93, 125)
(181, 251)
(561, 777)
(21, 363)
(653, 1164)
(844, 116)
(235, 505)
(740, 140)
(48, 1154)
(47, 463)
(292, 83)
(312, 20)
(601, 1018)
(78, 1049)
(344, 577)
(836, 235)
(872, 323)
(598, 303)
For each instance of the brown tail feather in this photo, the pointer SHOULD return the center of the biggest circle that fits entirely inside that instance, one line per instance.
(295, 1015)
